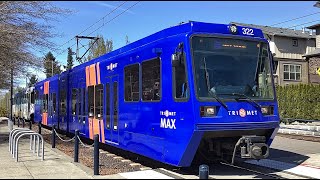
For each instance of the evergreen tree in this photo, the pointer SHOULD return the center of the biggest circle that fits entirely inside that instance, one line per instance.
(33, 80)
(50, 63)
(97, 49)
(69, 59)
(109, 45)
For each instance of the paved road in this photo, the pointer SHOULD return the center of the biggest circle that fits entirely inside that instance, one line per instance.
(290, 146)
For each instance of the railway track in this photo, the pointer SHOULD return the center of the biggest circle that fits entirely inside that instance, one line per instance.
(216, 169)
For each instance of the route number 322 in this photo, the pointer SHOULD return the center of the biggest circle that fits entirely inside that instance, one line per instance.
(247, 31)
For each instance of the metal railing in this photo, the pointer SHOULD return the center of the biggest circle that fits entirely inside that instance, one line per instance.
(16, 134)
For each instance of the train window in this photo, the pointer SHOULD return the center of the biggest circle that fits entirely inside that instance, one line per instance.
(151, 89)
(108, 105)
(91, 100)
(74, 101)
(63, 100)
(131, 89)
(180, 81)
(36, 97)
(115, 105)
(50, 104)
(79, 102)
(99, 100)
(54, 102)
(84, 101)
(45, 100)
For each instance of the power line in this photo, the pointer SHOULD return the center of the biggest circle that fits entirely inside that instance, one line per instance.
(112, 19)
(92, 25)
(295, 19)
(303, 24)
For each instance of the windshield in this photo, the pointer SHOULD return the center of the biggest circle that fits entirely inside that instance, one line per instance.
(225, 66)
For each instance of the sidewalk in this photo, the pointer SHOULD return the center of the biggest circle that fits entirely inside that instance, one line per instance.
(56, 165)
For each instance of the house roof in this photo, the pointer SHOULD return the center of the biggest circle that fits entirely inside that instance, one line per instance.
(314, 26)
(313, 53)
(280, 31)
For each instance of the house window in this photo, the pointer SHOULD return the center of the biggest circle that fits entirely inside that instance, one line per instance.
(295, 42)
(292, 72)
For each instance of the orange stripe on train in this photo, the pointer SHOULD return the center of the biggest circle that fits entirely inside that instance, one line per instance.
(90, 128)
(87, 76)
(92, 75)
(98, 73)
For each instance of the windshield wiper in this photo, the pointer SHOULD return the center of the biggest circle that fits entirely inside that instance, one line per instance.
(209, 86)
(246, 98)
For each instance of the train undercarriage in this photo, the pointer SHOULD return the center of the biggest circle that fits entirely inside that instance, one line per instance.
(225, 146)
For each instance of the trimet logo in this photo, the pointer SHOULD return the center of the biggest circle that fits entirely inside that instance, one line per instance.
(112, 66)
(243, 113)
(168, 123)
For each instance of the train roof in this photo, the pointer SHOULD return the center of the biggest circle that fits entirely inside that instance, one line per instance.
(184, 28)
(50, 78)
(190, 27)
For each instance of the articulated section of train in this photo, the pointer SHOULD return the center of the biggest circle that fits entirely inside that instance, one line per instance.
(193, 90)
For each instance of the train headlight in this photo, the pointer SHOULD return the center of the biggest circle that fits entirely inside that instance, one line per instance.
(267, 110)
(233, 29)
(208, 111)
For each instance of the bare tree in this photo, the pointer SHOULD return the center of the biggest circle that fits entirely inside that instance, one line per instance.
(25, 27)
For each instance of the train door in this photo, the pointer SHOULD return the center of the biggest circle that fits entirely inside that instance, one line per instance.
(111, 110)
(74, 109)
(62, 121)
(82, 108)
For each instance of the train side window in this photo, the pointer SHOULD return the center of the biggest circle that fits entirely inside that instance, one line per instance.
(115, 105)
(108, 106)
(74, 101)
(180, 81)
(99, 101)
(45, 99)
(63, 100)
(131, 75)
(84, 102)
(54, 103)
(91, 100)
(151, 82)
(79, 101)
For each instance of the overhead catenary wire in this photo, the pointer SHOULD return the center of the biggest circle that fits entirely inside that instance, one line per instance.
(303, 23)
(295, 18)
(93, 24)
(103, 25)
(112, 19)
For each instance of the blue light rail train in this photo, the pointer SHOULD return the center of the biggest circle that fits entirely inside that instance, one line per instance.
(192, 90)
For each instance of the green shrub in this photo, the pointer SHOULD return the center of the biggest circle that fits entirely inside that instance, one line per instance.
(300, 101)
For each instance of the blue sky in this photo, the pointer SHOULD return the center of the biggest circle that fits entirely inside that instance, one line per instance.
(148, 17)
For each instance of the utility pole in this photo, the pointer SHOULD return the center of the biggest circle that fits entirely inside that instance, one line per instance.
(11, 98)
(52, 68)
(77, 51)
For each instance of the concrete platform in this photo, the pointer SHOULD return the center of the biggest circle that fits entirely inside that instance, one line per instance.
(54, 166)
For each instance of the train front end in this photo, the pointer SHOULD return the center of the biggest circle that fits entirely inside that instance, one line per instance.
(235, 107)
